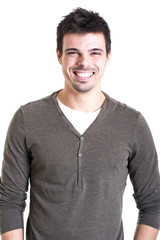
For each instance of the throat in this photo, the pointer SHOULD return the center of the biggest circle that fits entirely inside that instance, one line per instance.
(82, 102)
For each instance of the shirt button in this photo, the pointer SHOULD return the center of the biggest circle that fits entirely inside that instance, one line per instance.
(82, 138)
(79, 170)
(80, 154)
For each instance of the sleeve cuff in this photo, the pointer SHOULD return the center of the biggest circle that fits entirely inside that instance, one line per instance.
(149, 220)
(10, 219)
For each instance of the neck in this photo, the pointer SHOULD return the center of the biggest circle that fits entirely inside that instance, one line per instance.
(85, 102)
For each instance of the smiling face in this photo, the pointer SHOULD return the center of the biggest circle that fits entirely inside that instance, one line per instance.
(83, 61)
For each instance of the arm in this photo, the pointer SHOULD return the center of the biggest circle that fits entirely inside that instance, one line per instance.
(144, 232)
(144, 175)
(14, 178)
(15, 234)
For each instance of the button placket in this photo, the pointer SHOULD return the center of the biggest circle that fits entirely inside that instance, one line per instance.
(79, 162)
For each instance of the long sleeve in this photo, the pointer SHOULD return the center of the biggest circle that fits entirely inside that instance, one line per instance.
(144, 175)
(14, 177)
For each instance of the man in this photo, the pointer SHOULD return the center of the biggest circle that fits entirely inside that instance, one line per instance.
(77, 147)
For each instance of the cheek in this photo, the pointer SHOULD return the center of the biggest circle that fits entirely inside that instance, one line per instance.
(101, 65)
(68, 63)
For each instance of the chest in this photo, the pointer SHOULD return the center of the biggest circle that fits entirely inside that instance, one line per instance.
(58, 153)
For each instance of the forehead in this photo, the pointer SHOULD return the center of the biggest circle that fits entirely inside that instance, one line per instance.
(84, 41)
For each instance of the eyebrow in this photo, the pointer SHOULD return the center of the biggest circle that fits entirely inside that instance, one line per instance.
(90, 50)
(96, 49)
(71, 49)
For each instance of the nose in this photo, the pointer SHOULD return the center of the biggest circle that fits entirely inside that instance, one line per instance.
(83, 60)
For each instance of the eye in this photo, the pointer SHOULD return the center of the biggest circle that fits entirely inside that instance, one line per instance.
(95, 53)
(72, 53)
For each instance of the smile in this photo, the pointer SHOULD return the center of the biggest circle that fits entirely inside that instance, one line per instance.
(84, 74)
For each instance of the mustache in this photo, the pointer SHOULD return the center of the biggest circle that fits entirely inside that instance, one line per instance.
(84, 69)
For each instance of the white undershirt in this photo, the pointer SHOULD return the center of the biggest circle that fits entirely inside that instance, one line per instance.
(80, 120)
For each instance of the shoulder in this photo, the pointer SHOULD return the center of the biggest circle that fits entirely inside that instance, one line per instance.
(39, 111)
(37, 105)
(127, 118)
(122, 109)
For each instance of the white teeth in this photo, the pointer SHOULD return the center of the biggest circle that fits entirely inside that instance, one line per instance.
(80, 74)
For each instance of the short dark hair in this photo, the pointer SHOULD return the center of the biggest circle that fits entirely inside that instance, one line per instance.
(83, 21)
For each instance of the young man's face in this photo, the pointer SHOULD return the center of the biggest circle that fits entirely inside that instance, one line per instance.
(83, 60)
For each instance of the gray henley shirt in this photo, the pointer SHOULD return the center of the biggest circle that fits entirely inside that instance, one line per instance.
(77, 181)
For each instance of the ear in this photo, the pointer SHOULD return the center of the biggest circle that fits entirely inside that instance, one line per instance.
(108, 57)
(59, 56)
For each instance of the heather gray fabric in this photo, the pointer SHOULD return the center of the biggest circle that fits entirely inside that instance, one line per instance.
(77, 181)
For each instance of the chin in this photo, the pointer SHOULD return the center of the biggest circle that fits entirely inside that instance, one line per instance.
(81, 89)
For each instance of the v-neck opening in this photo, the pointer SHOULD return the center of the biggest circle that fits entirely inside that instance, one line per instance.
(70, 125)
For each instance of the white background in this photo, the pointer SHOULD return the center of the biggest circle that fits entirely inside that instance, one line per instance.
(29, 69)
